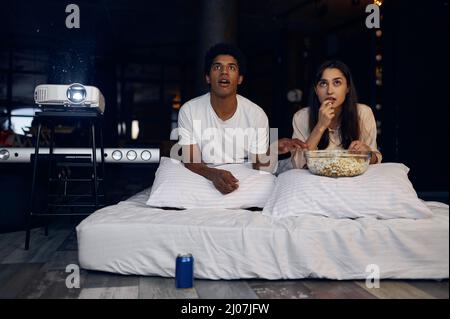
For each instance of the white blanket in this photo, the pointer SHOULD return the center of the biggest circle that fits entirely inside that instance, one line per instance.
(132, 238)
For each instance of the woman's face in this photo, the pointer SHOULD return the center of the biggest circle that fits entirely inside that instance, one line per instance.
(332, 87)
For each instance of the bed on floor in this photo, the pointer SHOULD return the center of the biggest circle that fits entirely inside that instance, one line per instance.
(133, 238)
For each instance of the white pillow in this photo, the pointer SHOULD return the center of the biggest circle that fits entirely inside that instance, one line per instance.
(383, 191)
(176, 186)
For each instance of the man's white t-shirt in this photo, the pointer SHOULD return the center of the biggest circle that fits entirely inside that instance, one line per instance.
(220, 142)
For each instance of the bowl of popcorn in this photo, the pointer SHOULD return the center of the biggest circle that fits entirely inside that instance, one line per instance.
(337, 163)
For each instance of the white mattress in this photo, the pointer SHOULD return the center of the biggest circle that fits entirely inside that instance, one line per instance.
(132, 238)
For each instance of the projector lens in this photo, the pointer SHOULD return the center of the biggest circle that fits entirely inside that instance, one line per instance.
(76, 93)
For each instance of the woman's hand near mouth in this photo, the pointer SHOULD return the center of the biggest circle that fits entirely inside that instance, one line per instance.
(326, 113)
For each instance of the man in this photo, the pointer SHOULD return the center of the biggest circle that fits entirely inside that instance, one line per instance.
(223, 127)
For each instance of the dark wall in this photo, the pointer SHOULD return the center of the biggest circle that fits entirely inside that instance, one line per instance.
(15, 195)
(413, 118)
(415, 91)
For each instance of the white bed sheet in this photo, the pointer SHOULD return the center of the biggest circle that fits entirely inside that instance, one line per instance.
(132, 238)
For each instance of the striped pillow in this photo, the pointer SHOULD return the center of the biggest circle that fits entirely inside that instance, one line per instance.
(177, 187)
(383, 191)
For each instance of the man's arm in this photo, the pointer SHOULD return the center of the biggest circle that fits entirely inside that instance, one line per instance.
(264, 162)
(268, 162)
(223, 180)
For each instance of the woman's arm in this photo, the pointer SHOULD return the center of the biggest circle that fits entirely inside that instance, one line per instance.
(314, 138)
(300, 125)
(326, 115)
(269, 162)
(368, 135)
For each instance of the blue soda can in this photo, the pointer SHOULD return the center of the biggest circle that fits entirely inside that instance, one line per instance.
(184, 271)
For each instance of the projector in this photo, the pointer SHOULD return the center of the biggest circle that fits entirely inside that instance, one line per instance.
(75, 96)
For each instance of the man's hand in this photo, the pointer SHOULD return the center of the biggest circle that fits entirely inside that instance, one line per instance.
(286, 145)
(224, 181)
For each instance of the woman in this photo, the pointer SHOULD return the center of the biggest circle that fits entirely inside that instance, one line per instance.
(334, 119)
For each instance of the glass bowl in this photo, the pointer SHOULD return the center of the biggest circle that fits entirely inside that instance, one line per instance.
(337, 163)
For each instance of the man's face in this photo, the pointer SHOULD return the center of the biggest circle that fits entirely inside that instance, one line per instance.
(224, 76)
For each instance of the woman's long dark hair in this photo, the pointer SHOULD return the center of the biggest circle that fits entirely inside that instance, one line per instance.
(349, 128)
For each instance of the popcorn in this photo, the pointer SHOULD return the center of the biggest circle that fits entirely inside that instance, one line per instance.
(337, 166)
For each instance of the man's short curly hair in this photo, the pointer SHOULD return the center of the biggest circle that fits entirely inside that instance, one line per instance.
(225, 49)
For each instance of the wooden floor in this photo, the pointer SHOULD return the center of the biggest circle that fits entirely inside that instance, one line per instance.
(40, 273)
